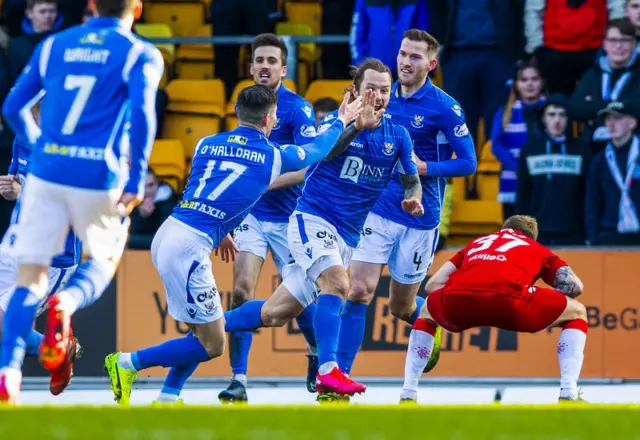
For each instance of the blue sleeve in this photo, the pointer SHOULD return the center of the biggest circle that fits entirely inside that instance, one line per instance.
(143, 81)
(304, 123)
(452, 124)
(358, 43)
(13, 165)
(405, 154)
(498, 148)
(23, 95)
(295, 157)
(594, 201)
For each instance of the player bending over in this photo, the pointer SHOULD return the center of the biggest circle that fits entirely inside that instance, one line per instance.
(265, 228)
(230, 172)
(325, 228)
(87, 170)
(490, 283)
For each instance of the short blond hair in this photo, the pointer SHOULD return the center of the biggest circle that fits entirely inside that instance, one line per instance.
(523, 223)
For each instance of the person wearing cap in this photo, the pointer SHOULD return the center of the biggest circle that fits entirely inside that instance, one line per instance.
(613, 186)
(552, 171)
(614, 77)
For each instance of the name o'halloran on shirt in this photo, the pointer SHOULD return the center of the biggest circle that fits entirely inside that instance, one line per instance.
(229, 151)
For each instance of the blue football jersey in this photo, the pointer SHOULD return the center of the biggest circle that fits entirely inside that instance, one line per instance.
(98, 119)
(296, 125)
(344, 189)
(19, 167)
(230, 172)
(437, 127)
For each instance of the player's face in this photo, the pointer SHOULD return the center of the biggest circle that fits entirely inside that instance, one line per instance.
(555, 120)
(266, 66)
(632, 12)
(43, 16)
(414, 63)
(380, 83)
(619, 48)
(620, 126)
(150, 186)
(529, 84)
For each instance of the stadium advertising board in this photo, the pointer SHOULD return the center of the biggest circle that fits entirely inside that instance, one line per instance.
(612, 351)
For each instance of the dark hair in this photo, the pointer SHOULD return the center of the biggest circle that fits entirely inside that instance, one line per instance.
(419, 35)
(523, 223)
(625, 27)
(357, 73)
(113, 8)
(151, 171)
(32, 3)
(521, 66)
(263, 40)
(254, 103)
(326, 105)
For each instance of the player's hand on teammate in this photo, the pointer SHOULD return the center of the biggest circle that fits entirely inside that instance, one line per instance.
(10, 187)
(413, 207)
(349, 111)
(369, 118)
(227, 249)
(128, 202)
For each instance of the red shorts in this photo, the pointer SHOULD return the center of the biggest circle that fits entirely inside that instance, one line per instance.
(531, 310)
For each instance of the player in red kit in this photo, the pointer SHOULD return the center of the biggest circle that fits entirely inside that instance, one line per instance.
(490, 283)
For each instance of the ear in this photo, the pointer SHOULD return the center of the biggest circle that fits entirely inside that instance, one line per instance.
(137, 10)
(433, 64)
(284, 71)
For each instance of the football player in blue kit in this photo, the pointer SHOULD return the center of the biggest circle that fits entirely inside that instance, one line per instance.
(265, 228)
(325, 228)
(230, 172)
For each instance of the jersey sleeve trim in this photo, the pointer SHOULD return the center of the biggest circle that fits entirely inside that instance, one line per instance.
(45, 54)
(276, 168)
(132, 57)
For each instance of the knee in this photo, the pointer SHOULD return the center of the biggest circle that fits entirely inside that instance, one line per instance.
(577, 310)
(360, 293)
(242, 293)
(338, 284)
(271, 318)
(214, 348)
(400, 308)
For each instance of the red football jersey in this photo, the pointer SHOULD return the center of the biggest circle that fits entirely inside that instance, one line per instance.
(504, 262)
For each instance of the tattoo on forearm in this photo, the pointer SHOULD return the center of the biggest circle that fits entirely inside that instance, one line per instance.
(347, 136)
(567, 282)
(411, 185)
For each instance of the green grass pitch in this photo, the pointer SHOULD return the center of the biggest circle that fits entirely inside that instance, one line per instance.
(327, 422)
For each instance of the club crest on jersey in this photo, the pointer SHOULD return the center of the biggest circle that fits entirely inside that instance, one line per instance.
(417, 121)
(235, 139)
(388, 148)
(91, 38)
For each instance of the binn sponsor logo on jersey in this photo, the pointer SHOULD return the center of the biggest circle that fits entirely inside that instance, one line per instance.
(356, 170)
(229, 151)
(205, 209)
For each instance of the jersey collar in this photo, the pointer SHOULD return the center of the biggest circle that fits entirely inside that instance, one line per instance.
(418, 95)
(104, 22)
(281, 89)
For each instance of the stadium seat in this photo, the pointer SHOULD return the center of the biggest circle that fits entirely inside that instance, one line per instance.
(306, 12)
(327, 88)
(195, 61)
(488, 174)
(471, 218)
(168, 162)
(196, 107)
(157, 30)
(308, 53)
(231, 121)
(182, 17)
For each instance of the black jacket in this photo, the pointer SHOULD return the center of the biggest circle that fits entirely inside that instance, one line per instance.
(551, 185)
(507, 15)
(143, 229)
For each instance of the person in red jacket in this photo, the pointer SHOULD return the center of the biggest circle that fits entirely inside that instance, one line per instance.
(565, 35)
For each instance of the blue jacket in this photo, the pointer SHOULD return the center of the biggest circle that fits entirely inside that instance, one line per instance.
(377, 29)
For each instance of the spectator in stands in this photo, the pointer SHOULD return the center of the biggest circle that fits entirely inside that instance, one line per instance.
(613, 187)
(158, 203)
(482, 40)
(323, 106)
(632, 13)
(513, 124)
(41, 20)
(552, 177)
(378, 27)
(615, 76)
(565, 35)
(238, 17)
(336, 58)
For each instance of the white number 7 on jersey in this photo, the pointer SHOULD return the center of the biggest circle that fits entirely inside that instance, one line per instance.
(84, 84)
(237, 169)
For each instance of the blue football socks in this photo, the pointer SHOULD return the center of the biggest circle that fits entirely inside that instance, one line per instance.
(305, 323)
(244, 318)
(174, 353)
(326, 324)
(18, 322)
(353, 320)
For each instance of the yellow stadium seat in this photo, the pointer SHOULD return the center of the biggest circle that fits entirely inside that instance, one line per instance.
(180, 16)
(306, 12)
(327, 88)
(196, 107)
(196, 61)
(157, 30)
(475, 217)
(168, 162)
(308, 53)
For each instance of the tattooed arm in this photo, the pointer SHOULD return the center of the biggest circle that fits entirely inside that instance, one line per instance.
(567, 282)
(412, 202)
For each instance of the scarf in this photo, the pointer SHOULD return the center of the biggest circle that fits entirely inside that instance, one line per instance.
(628, 222)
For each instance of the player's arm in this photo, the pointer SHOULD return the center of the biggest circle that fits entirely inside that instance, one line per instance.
(567, 282)
(288, 180)
(142, 81)
(412, 202)
(343, 142)
(10, 186)
(441, 277)
(26, 92)
(452, 124)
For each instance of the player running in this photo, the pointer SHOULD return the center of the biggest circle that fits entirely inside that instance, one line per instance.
(490, 283)
(265, 228)
(87, 169)
(390, 235)
(62, 266)
(230, 172)
(325, 228)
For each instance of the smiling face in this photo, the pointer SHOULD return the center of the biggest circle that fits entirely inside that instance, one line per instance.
(267, 67)
(414, 62)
